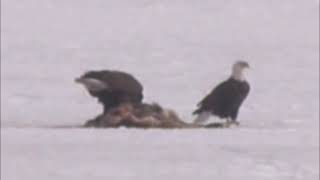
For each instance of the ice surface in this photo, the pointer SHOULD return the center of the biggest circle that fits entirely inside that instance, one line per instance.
(159, 154)
(179, 50)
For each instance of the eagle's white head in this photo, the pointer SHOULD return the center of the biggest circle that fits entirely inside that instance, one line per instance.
(238, 70)
(92, 85)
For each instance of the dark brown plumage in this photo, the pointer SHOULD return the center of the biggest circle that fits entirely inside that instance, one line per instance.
(225, 100)
(112, 88)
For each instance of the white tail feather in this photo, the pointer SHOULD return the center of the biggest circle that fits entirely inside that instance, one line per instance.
(203, 117)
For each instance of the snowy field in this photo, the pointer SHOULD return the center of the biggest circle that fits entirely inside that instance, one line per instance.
(179, 50)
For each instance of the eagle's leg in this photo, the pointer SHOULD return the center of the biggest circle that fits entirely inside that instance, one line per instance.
(231, 121)
(203, 117)
(236, 122)
(228, 122)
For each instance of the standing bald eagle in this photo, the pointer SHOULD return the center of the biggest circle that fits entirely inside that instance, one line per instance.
(112, 88)
(225, 100)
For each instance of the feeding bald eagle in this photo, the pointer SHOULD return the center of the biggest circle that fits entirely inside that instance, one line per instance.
(225, 100)
(112, 88)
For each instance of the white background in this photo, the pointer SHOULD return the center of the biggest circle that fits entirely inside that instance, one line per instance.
(179, 50)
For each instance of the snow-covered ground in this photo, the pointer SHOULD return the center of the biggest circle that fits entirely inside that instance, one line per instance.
(179, 50)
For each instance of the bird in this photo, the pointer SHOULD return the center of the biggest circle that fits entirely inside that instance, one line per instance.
(225, 100)
(112, 88)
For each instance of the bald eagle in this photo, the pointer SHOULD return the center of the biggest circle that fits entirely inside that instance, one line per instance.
(112, 88)
(225, 99)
